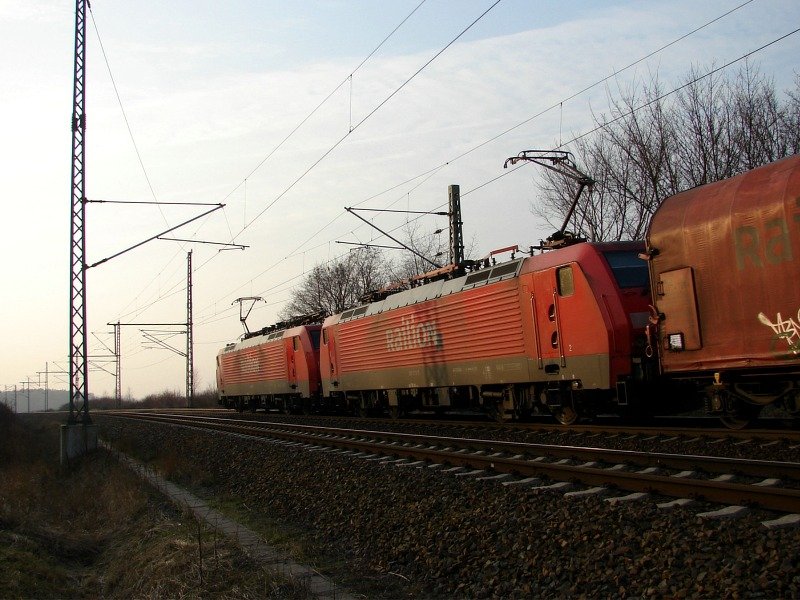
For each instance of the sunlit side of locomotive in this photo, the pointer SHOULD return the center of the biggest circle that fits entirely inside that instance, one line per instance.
(276, 370)
(726, 289)
(556, 331)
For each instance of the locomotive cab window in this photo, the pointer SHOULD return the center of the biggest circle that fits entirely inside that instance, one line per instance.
(566, 285)
(629, 270)
(296, 343)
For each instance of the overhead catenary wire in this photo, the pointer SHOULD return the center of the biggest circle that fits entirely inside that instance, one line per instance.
(124, 113)
(589, 132)
(272, 152)
(685, 85)
(133, 139)
(222, 314)
(144, 170)
(356, 126)
(429, 172)
(555, 105)
(364, 119)
(323, 102)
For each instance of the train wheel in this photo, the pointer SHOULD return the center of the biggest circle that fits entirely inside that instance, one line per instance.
(734, 422)
(565, 414)
(561, 405)
(741, 417)
(733, 411)
(496, 411)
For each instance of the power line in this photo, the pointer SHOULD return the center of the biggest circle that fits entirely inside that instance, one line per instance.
(430, 172)
(605, 124)
(264, 160)
(216, 317)
(685, 85)
(324, 100)
(133, 141)
(344, 137)
(124, 114)
(364, 120)
(269, 155)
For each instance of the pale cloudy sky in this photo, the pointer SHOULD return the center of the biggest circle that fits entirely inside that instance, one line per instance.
(211, 88)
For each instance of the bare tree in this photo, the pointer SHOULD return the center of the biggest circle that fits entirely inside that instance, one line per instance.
(631, 159)
(432, 244)
(790, 119)
(705, 114)
(758, 114)
(336, 285)
(651, 146)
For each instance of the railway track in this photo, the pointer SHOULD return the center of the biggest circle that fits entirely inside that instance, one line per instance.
(706, 428)
(772, 485)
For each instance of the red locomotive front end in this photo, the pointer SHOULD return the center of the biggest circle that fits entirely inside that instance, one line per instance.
(553, 331)
(272, 369)
(724, 270)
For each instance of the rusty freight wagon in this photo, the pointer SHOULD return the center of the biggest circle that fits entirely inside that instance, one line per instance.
(561, 331)
(725, 272)
(272, 369)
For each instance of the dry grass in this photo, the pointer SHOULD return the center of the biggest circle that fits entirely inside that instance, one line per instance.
(96, 531)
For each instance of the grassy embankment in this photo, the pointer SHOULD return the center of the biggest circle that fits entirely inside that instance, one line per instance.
(97, 531)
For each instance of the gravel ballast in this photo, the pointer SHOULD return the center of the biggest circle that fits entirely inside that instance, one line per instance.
(423, 532)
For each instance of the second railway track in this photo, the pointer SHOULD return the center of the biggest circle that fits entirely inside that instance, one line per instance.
(772, 485)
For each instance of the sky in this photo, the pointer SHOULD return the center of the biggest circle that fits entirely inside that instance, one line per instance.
(206, 95)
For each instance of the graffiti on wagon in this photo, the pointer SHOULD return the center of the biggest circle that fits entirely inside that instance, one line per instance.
(786, 329)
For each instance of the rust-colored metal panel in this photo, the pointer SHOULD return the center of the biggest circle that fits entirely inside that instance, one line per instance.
(591, 369)
(255, 363)
(677, 302)
(741, 238)
(548, 322)
(480, 323)
(287, 364)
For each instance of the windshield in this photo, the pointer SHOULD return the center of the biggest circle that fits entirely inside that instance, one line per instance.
(629, 270)
(315, 338)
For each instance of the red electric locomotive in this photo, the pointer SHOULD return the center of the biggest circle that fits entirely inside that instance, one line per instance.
(562, 331)
(726, 289)
(275, 368)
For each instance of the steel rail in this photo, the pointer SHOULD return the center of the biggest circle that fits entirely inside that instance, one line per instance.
(710, 464)
(690, 431)
(773, 498)
(791, 435)
(610, 428)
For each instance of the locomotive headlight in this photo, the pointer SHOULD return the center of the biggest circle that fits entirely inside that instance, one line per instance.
(675, 341)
